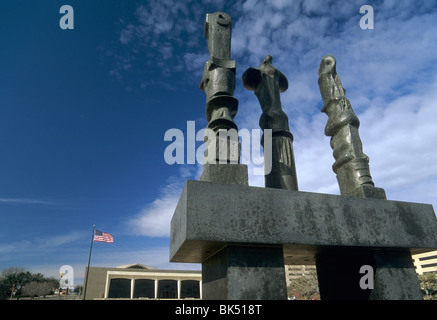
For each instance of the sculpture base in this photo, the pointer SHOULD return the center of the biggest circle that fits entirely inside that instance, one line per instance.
(395, 276)
(224, 226)
(245, 273)
(368, 192)
(209, 216)
(225, 173)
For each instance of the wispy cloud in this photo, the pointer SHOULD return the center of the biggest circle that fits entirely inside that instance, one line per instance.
(26, 201)
(39, 245)
(161, 37)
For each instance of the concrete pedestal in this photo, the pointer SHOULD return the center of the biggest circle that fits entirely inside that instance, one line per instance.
(310, 228)
(245, 273)
(225, 173)
(395, 276)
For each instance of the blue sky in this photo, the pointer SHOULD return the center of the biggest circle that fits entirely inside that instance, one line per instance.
(83, 112)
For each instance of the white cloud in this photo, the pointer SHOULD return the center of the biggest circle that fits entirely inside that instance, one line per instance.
(127, 34)
(154, 219)
(313, 156)
(194, 63)
(14, 247)
(400, 141)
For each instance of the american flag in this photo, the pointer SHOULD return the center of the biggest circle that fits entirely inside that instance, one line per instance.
(103, 237)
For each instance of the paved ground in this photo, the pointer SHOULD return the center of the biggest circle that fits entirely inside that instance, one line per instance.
(56, 297)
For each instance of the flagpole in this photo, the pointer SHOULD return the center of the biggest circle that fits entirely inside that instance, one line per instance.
(89, 259)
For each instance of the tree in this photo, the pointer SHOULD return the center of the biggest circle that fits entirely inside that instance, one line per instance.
(12, 270)
(40, 288)
(14, 280)
(9, 281)
(428, 284)
(32, 289)
(305, 287)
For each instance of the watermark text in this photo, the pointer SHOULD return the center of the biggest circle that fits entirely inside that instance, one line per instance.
(67, 20)
(225, 146)
(367, 281)
(366, 21)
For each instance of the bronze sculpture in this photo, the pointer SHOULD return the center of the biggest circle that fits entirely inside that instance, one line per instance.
(351, 164)
(268, 82)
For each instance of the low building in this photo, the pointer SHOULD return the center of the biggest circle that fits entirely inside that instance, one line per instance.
(425, 262)
(293, 272)
(138, 281)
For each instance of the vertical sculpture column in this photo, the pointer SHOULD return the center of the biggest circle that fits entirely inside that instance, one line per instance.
(267, 82)
(351, 164)
(338, 270)
(218, 81)
(236, 271)
(222, 156)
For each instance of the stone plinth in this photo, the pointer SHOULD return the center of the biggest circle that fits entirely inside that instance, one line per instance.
(211, 216)
(242, 273)
(225, 173)
(240, 234)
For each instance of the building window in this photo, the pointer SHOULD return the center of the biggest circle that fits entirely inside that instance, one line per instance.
(427, 258)
(119, 288)
(190, 289)
(167, 289)
(429, 265)
(144, 288)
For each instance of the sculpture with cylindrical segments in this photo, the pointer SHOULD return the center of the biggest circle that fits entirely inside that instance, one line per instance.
(218, 80)
(222, 156)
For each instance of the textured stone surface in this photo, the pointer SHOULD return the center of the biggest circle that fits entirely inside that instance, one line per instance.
(367, 191)
(210, 216)
(225, 173)
(236, 273)
(395, 276)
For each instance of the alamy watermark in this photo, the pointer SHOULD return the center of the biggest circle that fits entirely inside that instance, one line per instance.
(66, 273)
(227, 141)
(366, 21)
(367, 281)
(67, 20)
